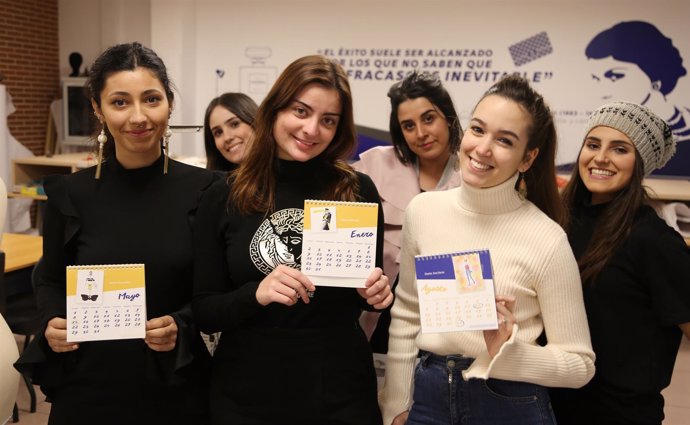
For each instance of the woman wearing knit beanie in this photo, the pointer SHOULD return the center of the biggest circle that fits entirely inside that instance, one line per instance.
(508, 203)
(635, 270)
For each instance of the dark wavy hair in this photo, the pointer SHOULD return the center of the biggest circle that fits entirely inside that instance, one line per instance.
(124, 57)
(615, 223)
(239, 104)
(253, 183)
(540, 179)
(414, 86)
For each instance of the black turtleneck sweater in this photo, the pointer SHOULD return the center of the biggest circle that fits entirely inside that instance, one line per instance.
(127, 216)
(306, 363)
(633, 307)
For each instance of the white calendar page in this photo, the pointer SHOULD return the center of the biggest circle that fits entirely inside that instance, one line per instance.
(106, 302)
(339, 242)
(456, 292)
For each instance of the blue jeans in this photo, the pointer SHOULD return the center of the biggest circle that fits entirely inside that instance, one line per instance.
(441, 396)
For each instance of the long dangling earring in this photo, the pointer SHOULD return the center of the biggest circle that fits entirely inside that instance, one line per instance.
(102, 138)
(166, 147)
(522, 186)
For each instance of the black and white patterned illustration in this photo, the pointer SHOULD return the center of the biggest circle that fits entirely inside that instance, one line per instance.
(530, 49)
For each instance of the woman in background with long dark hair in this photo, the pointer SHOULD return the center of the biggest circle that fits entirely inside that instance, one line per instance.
(228, 130)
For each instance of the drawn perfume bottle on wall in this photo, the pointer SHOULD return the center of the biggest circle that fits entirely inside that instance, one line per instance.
(256, 79)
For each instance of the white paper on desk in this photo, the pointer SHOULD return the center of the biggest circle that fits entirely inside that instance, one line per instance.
(339, 242)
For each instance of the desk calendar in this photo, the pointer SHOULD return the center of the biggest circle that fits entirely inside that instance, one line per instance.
(106, 302)
(456, 292)
(339, 242)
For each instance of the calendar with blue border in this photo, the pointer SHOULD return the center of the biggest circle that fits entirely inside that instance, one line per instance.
(456, 291)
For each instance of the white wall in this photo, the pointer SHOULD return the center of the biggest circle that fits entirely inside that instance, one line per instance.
(173, 37)
(89, 26)
(79, 24)
(197, 37)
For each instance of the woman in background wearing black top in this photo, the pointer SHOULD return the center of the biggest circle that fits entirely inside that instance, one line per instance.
(228, 129)
(289, 353)
(132, 208)
(635, 270)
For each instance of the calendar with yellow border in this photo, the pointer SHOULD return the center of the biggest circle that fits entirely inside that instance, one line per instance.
(106, 302)
(339, 242)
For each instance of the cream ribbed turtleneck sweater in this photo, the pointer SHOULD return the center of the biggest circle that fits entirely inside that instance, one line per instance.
(531, 260)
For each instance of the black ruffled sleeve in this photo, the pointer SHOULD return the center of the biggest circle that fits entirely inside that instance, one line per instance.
(61, 224)
(190, 354)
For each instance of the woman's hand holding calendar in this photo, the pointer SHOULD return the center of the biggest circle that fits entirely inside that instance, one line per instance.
(161, 333)
(56, 335)
(284, 285)
(495, 338)
(377, 290)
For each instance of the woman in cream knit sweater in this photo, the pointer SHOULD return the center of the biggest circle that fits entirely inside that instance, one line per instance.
(494, 376)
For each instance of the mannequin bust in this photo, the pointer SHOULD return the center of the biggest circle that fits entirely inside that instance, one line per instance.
(75, 61)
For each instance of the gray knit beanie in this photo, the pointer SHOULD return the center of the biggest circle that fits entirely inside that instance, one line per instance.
(651, 136)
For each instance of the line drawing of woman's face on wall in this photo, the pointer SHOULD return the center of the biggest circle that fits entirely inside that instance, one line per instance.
(634, 61)
(621, 80)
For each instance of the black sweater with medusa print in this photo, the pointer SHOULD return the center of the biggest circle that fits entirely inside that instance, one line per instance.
(326, 360)
(234, 253)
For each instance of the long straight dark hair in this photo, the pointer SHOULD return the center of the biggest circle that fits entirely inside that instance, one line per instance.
(239, 104)
(253, 183)
(540, 179)
(615, 223)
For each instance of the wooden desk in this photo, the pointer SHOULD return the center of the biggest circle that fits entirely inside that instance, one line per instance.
(668, 189)
(663, 189)
(35, 168)
(21, 251)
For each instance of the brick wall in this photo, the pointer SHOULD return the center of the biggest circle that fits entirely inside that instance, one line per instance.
(29, 59)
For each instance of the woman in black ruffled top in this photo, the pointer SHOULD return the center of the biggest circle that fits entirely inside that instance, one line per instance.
(134, 208)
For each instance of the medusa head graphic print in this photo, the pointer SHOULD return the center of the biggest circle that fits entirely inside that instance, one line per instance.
(278, 240)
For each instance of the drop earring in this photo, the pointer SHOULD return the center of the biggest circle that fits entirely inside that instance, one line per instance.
(166, 148)
(102, 138)
(522, 186)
